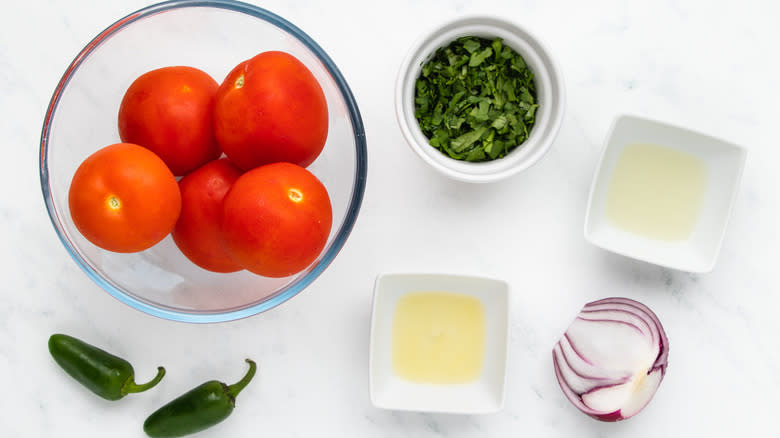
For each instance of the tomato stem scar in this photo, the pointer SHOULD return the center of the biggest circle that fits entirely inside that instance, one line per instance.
(239, 82)
(295, 195)
(113, 202)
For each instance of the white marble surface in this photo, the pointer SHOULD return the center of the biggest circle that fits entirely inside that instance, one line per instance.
(709, 65)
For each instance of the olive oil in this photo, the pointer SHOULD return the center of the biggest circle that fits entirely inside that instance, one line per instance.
(656, 192)
(438, 337)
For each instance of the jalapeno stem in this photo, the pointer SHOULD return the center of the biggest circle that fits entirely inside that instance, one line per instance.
(130, 386)
(235, 388)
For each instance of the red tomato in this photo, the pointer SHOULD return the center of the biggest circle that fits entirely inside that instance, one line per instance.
(169, 111)
(123, 198)
(268, 109)
(276, 219)
(197, 231)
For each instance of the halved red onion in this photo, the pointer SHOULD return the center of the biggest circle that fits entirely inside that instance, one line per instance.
(612, 358)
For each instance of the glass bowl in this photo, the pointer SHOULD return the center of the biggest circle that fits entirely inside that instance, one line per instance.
(82, 117)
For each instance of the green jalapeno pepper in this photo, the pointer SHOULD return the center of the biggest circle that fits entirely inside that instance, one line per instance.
(101, 372)
(197, 409)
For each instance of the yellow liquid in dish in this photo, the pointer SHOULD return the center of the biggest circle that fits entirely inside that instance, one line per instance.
(656, 192)
(438, 337)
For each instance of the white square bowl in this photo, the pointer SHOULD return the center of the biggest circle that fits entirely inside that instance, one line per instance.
(483, 395)
(724, 163)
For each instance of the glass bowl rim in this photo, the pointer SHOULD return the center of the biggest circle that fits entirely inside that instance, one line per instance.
(358, 188)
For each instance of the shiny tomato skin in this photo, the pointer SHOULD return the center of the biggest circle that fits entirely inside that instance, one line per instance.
(271, 108)
(123, 198)
(169, 111)
(197, 231)
(276, 219)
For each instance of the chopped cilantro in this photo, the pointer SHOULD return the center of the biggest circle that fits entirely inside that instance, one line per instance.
(475, 99)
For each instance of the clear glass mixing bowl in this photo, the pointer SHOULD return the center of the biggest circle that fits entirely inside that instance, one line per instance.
(82, 117)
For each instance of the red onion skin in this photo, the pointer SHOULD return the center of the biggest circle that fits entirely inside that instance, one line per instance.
(659, 364)
(571, 395)
(663, 341)
(609, 418)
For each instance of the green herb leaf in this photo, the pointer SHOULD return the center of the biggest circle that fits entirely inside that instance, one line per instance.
(471, 45)
(465, 140)
(500, 122)
(475, 99)
(478, 57)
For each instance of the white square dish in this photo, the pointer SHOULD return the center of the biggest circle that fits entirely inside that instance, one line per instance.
(483, 395)
(723, 163)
